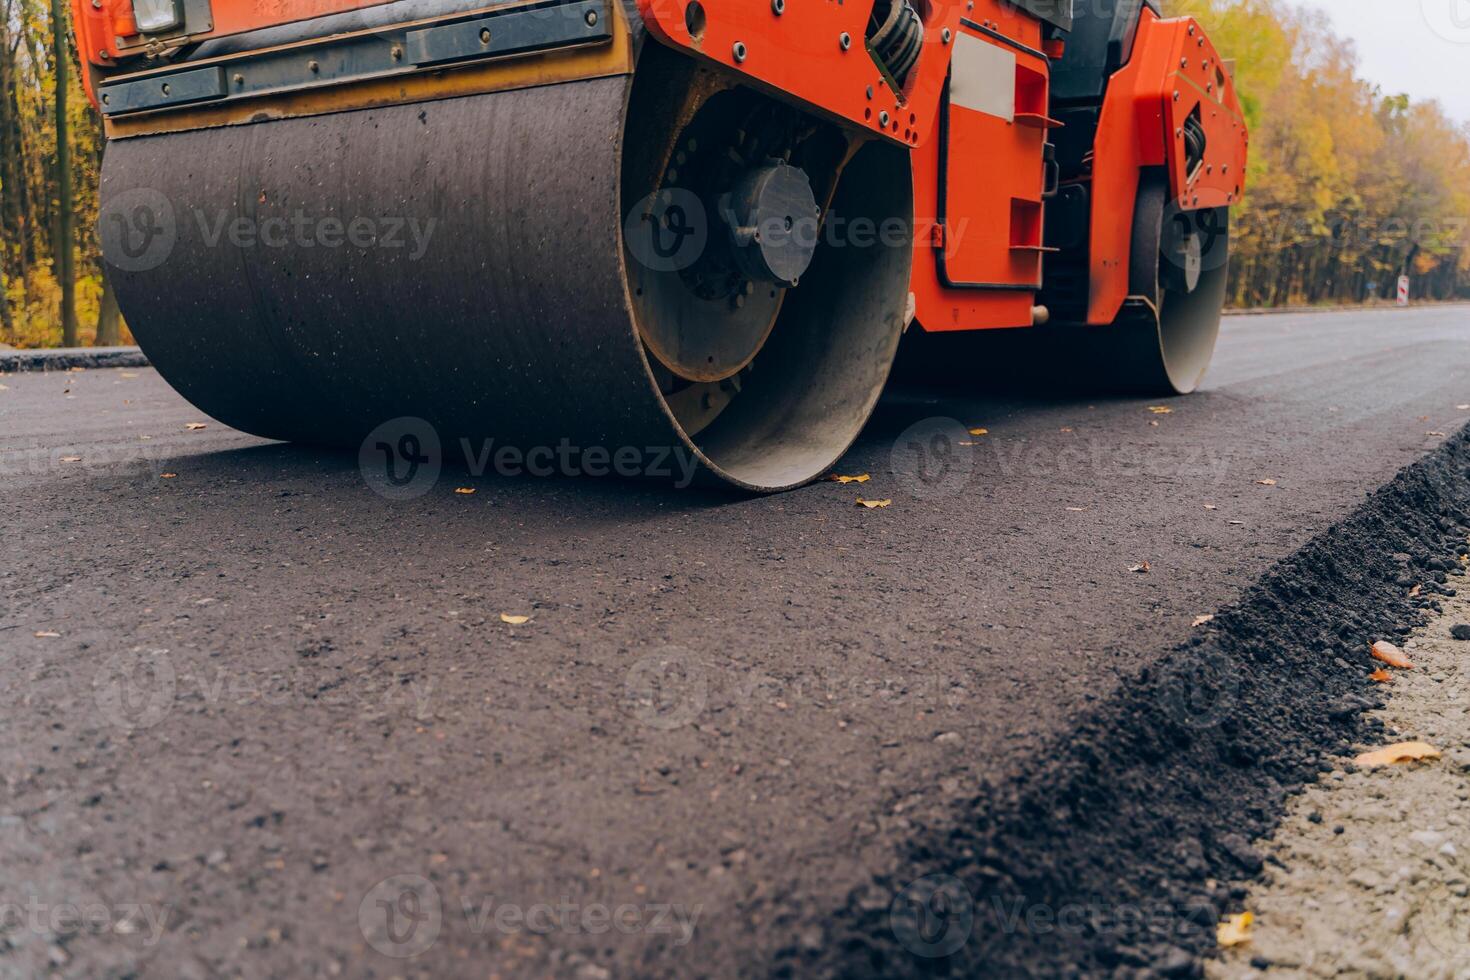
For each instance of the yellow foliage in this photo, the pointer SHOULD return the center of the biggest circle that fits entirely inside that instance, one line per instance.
(1348, 186)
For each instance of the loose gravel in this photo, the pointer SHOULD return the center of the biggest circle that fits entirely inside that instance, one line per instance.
(1369, 874)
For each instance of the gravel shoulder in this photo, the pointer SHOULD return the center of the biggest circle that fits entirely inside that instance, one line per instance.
(1369, 872)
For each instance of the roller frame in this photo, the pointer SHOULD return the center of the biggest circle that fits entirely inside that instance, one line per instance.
(796, 51)
(1171, 73)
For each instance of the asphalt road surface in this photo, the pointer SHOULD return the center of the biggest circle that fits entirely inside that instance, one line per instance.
(260, 720)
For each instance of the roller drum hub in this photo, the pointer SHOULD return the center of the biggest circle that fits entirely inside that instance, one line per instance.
(773, 220)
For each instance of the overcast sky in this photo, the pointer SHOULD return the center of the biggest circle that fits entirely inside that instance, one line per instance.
(1421, 47)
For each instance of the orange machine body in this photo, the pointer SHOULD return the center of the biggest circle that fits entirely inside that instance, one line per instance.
(975, 112)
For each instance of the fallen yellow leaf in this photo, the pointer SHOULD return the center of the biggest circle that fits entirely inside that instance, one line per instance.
(860, 478)
(465, 490)
(168, 476)
(1236, 929)
(1202, 620)
(1401, 752)
(979, 432)
(46, 634)
(1267, 482)
(71, 459)
(871, 504)
(1161, 409)
(196, 426)
(514, 620)
(1380, 676)
(1391, 655)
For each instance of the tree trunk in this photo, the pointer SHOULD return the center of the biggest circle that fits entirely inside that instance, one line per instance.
(109, 317)
(7, 319)
(65, 246)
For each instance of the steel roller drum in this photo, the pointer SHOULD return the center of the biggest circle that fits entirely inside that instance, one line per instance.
(493, 299)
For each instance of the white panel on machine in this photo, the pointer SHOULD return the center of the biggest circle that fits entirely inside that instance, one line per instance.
(984, 77)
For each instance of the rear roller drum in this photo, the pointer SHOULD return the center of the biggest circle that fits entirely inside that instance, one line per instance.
(615, 262)
(1180, 268)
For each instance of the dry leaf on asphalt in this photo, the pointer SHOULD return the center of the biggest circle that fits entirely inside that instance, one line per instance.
(46, 634)
(860, 478)
(1402, 752)
(465, 490)
(1391, 655)
(1267, 482)
(1141, 568)
(1415, 591)
(71, 459)
(1434, 433)
(167, 476)
(1202, 620)
(1235, 930)
(1380, 676)
(196, 426)
(1076, 510)
(979, 432)
(871, 504)
(1211, 507)
(1161, 409)
(514, 620)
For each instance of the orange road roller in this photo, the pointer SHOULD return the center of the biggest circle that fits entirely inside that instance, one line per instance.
(693, 225)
